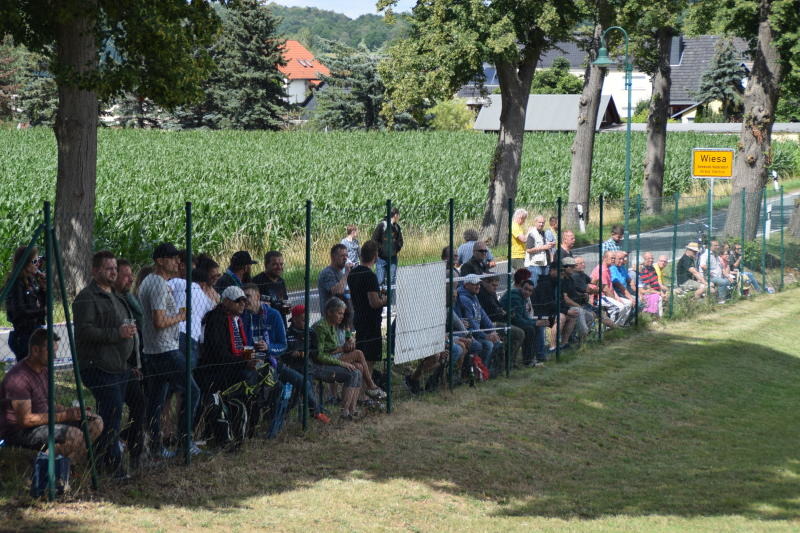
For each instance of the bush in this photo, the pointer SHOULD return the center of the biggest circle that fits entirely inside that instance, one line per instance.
(452, 115)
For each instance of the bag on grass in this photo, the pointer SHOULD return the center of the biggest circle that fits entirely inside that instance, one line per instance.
(229, 420)
(481, 372)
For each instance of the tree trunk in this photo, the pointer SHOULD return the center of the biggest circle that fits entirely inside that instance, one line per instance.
(794, 223)
(653, 185)
(754, 154)
(515, 86)
(76, 136)
(580, 180)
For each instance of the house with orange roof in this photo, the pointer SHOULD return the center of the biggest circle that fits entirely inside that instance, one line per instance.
(301, 72)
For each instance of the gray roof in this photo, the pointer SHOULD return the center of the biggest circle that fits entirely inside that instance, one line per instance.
(698, 53)
(547, 112)
(710, 127)
(570, 50)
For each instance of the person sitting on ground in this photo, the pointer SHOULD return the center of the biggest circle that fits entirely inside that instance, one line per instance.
(567, 244)
(331, 353)
(736, 265)
(223, 361)
(613, 242)
(368, 303)
(23, 400)
(272, 285)
(688, 278)
(264, 328)
(519, 238)
(26, 302)
(475, 319)
(238, 272)
(464, 252)
(477, 264)
(618, 311)
(537, 250)
(718, 278)
(519, 296)
(106, 342)
(353, 246)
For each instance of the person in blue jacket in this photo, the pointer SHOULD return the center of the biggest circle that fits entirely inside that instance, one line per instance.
(475, 319)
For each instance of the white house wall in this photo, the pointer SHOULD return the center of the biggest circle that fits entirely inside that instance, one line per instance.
(614, 84)
(296, 91)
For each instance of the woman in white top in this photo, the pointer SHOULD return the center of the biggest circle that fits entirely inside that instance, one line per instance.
(537, 249)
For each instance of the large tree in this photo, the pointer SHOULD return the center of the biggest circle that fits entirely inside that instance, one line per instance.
(652, 24)
(601, 14)
(448, 43)
(98, 48)
(773, 28)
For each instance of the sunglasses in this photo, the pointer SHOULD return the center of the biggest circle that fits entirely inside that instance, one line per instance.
(481, 251)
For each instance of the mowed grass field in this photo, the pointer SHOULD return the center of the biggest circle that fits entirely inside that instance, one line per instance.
(691, 426)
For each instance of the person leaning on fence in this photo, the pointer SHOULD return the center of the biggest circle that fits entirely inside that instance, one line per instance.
(518, 238)
(537, 250)
(368, 302)
(688, 278)
(272, 285)
(478, 263)
(465, 251)
(385, 255)
(238, 272)
(164, 364)
(23, 400)
(718, 278)
(107, 349)
(26, 302)
(475, 319)
(353, 246)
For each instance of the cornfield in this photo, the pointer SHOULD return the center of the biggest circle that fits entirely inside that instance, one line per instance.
(252, 186)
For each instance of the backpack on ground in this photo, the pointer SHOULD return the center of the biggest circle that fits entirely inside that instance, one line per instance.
(229, 420)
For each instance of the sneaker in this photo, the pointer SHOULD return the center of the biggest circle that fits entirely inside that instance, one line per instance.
(322, 417)
(194, 450)
(412, 385)
(162, 453)
(346, 415)
(721, 302)
(376, 393)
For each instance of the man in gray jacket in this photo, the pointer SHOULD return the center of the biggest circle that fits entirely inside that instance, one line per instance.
(105, 338)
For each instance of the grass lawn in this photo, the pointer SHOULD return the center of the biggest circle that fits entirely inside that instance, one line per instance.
(690, 426)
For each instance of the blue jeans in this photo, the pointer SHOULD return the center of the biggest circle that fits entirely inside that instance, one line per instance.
(380, 270)
(290, 375)
(487, 347)
(109, 391)
(164, 371)
(536, 273)
(723, 286)
(541, 343)
(748, 275)
(195, 349)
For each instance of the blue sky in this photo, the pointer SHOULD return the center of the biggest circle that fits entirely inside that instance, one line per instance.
(351, 8)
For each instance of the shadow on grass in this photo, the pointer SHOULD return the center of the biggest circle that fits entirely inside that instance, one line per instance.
(701, 428)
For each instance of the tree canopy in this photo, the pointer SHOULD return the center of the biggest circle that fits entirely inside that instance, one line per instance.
(556, 79)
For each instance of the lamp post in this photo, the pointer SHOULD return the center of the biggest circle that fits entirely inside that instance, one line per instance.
(603, 61)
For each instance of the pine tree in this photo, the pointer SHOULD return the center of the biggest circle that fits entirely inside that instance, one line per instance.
(723, 80)
(352, 95)
(9, 75)
(38, 94)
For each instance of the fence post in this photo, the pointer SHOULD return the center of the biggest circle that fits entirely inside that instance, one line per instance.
(450, 266)
(557, 265)
(76, 369)
(389, 247)
(783, 250)
(51, 385)
(677, 197)
(744, 219)
(187, 455)
(764, 244)
(638, 253)
(600, 273)
(509, 283)
(708, 244)
(307, 325)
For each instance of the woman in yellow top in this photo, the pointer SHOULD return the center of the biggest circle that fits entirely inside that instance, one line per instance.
(518, 238)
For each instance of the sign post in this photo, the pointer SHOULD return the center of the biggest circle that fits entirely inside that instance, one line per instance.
(712, 164)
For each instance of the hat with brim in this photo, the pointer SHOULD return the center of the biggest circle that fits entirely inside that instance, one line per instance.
(234, 294)
(693, 246)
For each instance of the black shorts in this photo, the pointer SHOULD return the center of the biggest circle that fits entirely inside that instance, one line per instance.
(370, 341)
(35, 438)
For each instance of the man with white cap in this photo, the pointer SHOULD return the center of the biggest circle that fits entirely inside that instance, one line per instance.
(475, 319)
(687, 276)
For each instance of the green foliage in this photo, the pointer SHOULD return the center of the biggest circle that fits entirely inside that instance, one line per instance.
(641, 111)
(557, 79)
(644, 19)
(9, 75)
(452, 115)
(352, 95)
(723, 80)
(38, 93)
(313, 27)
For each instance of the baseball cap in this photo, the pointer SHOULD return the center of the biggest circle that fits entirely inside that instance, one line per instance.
(165, 249)
(472, 279)
(242, 258)
(298, 309)
(233, 293)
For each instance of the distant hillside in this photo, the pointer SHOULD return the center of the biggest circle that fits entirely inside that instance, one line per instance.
(306, 23)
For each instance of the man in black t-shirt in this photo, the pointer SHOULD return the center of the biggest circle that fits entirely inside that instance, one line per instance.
(477, 263)
(688, 277)
(368, 302)
(271, 284)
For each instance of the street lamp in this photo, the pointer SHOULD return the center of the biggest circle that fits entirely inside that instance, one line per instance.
(603, 61)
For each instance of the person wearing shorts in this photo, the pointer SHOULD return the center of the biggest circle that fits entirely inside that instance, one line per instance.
(368, 302)
(23, 398)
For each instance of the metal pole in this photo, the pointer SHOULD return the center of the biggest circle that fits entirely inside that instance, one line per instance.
(783, 250)
(708, 247)
(600, 274)
(76, 369)
(307, 325)
(764, 245)
(51, 385)
(509, 277)
(628, 85)
(450, 266)
(187, 455)
(677, 197)
(557, 265)
(389, 294)
(744, 219)
(638, 252)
